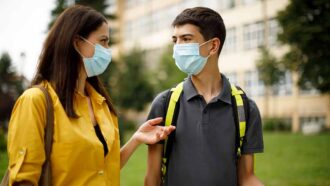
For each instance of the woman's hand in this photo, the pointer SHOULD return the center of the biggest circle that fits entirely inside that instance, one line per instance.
(150, 133)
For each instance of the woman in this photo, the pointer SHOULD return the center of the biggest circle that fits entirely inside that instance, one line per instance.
(86, 148)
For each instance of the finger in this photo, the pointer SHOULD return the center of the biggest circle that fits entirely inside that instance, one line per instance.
(158, 136)
(155, 121)
(163, 136)
(167, 132)
(169, 129)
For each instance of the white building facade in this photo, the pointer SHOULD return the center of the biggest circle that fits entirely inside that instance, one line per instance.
(249, 24)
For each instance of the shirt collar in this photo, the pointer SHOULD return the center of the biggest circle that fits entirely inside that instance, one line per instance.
(189, 89)
(191, 92)
(51, 91)
(93, 94)
(225, 94)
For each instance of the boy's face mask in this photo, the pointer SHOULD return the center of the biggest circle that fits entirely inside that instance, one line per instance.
(188, 59)
(97, 64)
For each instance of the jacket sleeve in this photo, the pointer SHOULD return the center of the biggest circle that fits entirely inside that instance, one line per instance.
(26, 137)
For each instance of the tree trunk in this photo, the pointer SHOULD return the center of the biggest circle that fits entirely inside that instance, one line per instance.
(327, 124)
(266, 101)
(295, 96)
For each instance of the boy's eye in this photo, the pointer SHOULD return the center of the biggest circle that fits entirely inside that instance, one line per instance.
(186, 39)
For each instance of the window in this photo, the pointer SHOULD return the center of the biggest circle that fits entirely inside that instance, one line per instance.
(232, 77)
(284, 87)
(169, 15)
(273, 30)
(128, 30)
(308, 89)
(226, 4)
(130, 3)
(214, 4)
(248, 2)
(189, 4)
(157, 20)
(253, 85)
(230, 42)
(253, 35)
(312, 124)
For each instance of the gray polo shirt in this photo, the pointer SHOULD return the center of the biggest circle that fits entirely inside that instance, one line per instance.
(203, 151)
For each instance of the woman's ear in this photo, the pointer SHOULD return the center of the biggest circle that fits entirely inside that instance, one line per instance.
(77, 43)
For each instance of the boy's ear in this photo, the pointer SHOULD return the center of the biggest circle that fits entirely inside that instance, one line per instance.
(215, 46)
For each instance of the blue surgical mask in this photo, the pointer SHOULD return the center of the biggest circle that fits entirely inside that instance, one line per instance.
(97, 64)
(188, 59)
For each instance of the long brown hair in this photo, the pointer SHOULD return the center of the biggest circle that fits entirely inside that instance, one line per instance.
(60, 63)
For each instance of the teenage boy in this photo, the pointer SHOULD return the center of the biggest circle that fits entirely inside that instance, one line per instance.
(203, 152)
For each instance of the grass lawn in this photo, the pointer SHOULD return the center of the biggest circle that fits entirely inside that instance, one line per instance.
(134, 171)
(288, 160)
(295, 160)
(3, 163)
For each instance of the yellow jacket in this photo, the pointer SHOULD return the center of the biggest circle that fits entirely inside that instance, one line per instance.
(77, 156)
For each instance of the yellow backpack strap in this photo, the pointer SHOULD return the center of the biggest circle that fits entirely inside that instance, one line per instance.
(175, 95)
(237, 94)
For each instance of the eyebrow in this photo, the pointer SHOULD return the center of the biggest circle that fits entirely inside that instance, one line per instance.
(183, 35)
(104, 36)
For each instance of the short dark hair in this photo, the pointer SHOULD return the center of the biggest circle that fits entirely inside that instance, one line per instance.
(208, 21)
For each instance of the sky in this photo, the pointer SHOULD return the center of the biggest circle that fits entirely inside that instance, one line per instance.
(23, 27)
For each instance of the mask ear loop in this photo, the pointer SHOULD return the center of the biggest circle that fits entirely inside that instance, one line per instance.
(204, 44)
(80, 53)
(87, 42)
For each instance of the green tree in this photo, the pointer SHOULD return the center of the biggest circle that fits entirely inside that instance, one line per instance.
(61, 5)
(306, 26)
(10, 86)
(130, 86)
(269, 70)
(167, 74)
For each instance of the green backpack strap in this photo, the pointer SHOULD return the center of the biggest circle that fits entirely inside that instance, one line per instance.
(240, 114)
(169, 119)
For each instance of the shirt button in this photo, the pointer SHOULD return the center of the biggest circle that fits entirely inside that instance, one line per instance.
(101, 172)
(21, 152)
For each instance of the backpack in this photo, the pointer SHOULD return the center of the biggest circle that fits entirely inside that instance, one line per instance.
(240, 104)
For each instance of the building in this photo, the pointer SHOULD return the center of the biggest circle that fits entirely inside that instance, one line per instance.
(250, 24)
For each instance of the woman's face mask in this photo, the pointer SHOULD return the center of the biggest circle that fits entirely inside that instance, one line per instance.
(188, 59)
(97, 64)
